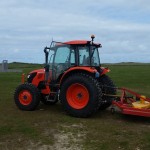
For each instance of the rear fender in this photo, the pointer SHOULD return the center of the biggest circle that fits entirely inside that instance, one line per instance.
(90, 70)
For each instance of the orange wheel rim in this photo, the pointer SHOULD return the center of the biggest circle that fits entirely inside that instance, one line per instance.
(77, 96)
(25, 97)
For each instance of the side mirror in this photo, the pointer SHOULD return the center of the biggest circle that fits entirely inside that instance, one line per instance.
(46, 54)
(46, 63)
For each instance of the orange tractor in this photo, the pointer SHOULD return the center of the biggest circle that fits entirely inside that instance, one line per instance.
(72, 75)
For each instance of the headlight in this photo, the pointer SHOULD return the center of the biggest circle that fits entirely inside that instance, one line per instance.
(28, 76)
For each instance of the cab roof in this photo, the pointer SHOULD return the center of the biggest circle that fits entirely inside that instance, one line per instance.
(81, 42)
(77, 42)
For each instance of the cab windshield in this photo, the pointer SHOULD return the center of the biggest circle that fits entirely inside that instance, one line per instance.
(88, 56)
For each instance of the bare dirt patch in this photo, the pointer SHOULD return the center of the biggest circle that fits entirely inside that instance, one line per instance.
(67, 138)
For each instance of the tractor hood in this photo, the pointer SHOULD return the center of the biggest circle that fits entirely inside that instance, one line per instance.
(36, 76)
(38, 71)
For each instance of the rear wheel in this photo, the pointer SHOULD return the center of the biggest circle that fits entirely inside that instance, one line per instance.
(108, 87)
(27, 96)
(80, 95)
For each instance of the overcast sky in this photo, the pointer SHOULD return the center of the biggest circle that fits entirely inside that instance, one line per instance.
(121, 26)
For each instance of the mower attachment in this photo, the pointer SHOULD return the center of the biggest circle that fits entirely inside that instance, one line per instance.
(132, 103)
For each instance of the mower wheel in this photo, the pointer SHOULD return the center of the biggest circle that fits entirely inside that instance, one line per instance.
(48, 100)
(80, 95)
(108, 87)
(27, 97)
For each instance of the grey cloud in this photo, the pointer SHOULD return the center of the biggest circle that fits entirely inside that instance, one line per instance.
(27, 26)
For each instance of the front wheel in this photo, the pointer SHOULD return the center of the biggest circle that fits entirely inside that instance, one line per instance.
(27, 97)
(80, 95)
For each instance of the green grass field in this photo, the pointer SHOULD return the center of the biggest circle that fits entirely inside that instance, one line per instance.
(49, 127)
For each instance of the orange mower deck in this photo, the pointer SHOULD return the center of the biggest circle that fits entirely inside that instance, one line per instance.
(132, 103)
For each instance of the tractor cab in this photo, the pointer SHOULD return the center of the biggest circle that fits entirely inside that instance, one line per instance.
(61, 57)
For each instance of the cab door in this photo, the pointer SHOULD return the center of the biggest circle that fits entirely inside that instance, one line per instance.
(64, 57)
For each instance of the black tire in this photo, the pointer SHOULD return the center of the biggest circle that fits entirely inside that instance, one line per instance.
(91, 86)
(27, 97)
(108, 87)
(50, 101)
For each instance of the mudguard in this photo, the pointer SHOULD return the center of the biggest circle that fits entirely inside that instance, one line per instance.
(78, 69)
